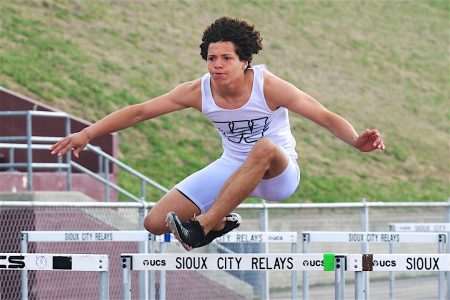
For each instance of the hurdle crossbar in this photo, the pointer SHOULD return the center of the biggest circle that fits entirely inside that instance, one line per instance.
(244, 237)
(390, 238)
(420, 227)
(58, 262)
(395, 263)
(374, 237)
(234, 262)
(87, 236)
(140, 236)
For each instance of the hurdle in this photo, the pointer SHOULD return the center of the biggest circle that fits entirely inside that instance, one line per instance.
(244, 237)
(58, 262)
(235, 262)
(394, 263)
(418, 227)
(143, 237)
(372, 237)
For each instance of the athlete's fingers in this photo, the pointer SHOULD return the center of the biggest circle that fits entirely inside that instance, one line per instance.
(377, 141)
(56, 148)
(76, 152)
(66, 149)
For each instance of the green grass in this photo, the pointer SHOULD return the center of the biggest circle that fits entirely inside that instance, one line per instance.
(380, 64)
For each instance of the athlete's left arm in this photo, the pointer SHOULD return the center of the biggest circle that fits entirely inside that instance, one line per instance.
(279, 92)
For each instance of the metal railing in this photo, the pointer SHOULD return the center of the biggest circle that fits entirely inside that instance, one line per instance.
(32, 143)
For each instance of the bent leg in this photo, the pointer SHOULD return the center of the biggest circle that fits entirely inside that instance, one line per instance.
(173, 201)
(266, 160)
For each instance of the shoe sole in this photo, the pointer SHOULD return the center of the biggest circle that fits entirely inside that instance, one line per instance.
(234, 218)
(170, 222)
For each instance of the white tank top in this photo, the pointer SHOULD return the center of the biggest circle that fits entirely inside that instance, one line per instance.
(240, 128)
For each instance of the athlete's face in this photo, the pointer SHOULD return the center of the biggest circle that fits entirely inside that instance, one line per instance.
(223, 62)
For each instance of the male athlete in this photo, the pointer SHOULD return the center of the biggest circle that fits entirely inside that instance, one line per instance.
(249, 107)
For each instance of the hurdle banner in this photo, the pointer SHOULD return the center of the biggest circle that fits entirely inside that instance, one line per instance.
(374, 237)
(398, 262)
(58, 262)
(357, 237)
(395, 263)
(420, 227)
(38, 261)
(140, 236)
(231, 262)
(87, 236)
(241, 237)
(234, 262)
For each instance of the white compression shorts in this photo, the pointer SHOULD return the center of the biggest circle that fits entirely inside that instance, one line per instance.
(203, 187)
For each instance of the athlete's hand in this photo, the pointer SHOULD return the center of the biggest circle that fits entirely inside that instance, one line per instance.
(76, 142)
(369, 140)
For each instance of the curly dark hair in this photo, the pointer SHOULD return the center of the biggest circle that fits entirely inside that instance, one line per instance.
(243, 35)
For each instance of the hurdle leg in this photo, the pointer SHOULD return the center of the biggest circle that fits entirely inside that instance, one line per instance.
(441, 275)
(24, 273)
(151, 277)
(339, 275)
(305, 273)
(359, 285)
(294, 285)
(104, 285)
(364, 216)
(264, 225)
(162, 276)
(126, 278)
(391, 277)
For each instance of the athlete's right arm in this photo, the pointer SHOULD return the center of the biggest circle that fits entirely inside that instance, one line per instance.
(183, 96)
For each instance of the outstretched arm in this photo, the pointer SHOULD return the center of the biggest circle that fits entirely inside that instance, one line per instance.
(183, 96)
(281, 93)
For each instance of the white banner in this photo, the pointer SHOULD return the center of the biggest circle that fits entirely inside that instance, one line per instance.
(244, 237)
(139, 236)
(214, 262)
(258, 237)
(38, 261)
(400, 262)
(421, 227)
(87, 236)
(372, 237)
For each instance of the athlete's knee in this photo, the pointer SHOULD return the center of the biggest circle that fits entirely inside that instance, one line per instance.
(265, 149)
(155, 224)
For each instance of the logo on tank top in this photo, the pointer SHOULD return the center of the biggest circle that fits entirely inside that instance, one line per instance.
(244, 131)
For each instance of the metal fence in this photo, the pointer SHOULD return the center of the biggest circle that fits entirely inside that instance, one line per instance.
(32, 144)
(18, 216)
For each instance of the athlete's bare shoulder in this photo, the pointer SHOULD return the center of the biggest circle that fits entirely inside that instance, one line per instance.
(188, 94)
(276, 89)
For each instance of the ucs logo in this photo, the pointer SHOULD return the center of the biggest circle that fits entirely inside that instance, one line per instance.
(12, 262)
(313, 263)
(154, 262)
(384, 263)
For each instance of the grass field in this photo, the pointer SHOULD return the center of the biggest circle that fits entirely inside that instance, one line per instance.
(381, 64)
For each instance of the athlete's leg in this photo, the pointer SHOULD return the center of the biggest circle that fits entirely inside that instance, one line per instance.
(173, 201)
(266, 160)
